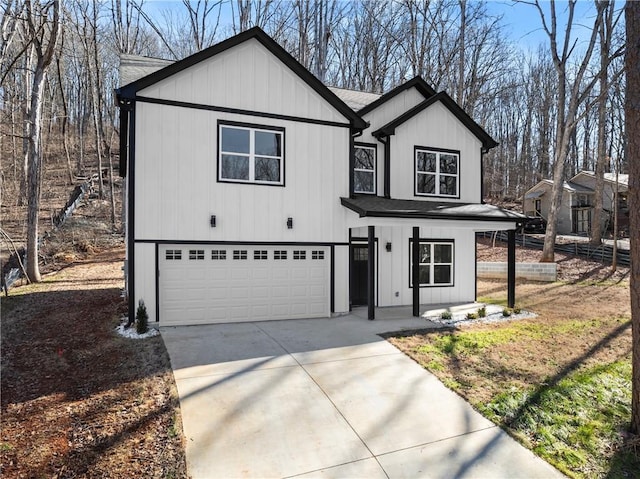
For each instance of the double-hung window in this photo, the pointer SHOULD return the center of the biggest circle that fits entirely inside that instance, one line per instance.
(436, 263)
(437, 173)
(364, 169)
(250, 154)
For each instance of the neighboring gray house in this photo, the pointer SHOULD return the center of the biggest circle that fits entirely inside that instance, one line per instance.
(254, 192)
(578, 198)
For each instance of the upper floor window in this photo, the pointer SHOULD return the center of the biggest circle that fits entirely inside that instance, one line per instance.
(251, 154)
(364, 169)
(437, 172)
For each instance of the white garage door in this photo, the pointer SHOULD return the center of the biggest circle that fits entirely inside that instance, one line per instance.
(216, 284)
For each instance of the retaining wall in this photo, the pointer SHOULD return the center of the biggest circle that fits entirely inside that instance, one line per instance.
(532, 271)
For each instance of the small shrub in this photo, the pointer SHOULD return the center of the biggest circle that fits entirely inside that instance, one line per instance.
(506, 312)
(142, 318)
(472, 315)
(517, 310)
(482, 312)
(446, 315)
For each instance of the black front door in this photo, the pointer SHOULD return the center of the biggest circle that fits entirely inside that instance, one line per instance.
(359, 255)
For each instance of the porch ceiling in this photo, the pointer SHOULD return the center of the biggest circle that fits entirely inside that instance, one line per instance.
(376, 206)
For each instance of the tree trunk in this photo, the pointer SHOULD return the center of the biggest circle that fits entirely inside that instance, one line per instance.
(34, 124)
(632, 110)
(604, 33)
(570, 96)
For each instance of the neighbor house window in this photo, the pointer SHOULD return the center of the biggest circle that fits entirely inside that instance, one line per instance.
(437, 172)
(251, 154)
(436, 263)
(364, 169)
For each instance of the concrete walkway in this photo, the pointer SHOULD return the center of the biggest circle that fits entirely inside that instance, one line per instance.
(327, 398)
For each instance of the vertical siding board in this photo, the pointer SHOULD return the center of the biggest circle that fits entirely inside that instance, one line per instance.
(236, 78)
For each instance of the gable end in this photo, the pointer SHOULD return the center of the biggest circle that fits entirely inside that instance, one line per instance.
(130, 91)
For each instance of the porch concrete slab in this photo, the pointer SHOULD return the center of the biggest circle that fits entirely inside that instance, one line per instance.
(222, 348)
(263, 423)
(486, 453)
(393, 403)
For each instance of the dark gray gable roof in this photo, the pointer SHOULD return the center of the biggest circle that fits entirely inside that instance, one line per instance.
(452, 106)
(129, 91)
(422, 86)
(377, 206)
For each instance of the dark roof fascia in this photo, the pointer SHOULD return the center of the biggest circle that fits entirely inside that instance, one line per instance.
(371, 213)
(422, 86)
(453, 107)
(129, 91)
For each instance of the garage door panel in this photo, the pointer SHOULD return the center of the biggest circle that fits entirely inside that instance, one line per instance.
(260, 292)
(218, 288)
(279, 272)
(241, 272)
(260, 274)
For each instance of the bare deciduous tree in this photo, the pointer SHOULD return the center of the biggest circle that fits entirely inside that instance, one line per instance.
(43, 24)
(572, 91)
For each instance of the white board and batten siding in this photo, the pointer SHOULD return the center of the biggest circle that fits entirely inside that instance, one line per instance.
(247, 77)
(394, 268)
(435, 127)
(177, 187)
(382, 115)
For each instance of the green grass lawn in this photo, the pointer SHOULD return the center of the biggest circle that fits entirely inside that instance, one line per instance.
(560, 385)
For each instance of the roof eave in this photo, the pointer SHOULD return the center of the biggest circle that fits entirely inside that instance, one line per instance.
(418, 82)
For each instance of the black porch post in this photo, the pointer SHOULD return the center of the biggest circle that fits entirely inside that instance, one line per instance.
(371, 273)
(511, 269)
(415, 271)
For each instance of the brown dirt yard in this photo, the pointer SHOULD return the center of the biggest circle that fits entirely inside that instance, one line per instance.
(78, 400)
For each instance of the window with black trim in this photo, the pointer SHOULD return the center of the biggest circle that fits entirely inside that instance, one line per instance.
(364, 169)
(436, 263)
(239, 254)
(299, 254)
(218, 254)
(280, 254)
(317, 254)
(251, 154)
(196, 254)
(260, 254)
(173, 254)
(437, 172)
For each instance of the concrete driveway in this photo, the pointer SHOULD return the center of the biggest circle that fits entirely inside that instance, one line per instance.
(327, 398)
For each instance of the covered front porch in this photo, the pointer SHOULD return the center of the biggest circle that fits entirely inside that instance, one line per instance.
(387, 234)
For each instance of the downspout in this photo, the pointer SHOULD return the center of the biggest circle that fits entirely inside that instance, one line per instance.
(386, 141)
(352, 159)
(483, 151)
(131, 177)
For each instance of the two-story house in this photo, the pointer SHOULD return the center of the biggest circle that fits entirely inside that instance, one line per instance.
(255, 192)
